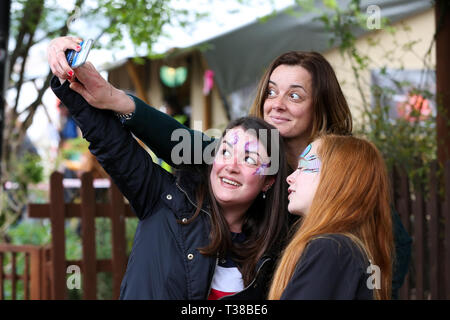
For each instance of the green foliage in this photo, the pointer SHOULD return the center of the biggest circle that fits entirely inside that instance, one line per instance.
(25, 170)
(29, 170)
(74, 147)
(407, 143)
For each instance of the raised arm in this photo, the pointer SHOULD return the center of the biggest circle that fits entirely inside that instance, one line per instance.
(129, 166)
(156, 129)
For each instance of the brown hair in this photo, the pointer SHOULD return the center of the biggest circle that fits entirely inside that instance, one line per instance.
(352, 199)
(331, 113)
(265, 224)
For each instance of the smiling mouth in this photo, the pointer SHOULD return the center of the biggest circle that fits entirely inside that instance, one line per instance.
(279, 119)
(230, 182)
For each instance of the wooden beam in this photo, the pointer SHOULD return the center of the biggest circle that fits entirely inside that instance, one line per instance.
(57, 215)
(88, 237)
(137, 81)
(442, 14)
(73, 210)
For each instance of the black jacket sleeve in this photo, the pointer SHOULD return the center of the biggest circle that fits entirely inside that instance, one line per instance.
(331, 268)
(129, 166)
(156, 129)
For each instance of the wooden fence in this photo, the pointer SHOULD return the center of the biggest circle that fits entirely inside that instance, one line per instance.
(34, 273)
(116, 210)
(427, 220)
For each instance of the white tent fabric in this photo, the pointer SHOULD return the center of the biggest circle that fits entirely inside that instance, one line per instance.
(238, 58)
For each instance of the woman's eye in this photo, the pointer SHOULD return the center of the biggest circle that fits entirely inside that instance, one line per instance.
(270, 93)
(251, 161)
(226, 153)
(295, 96)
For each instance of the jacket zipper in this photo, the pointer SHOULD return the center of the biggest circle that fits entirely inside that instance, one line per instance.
(251, 283)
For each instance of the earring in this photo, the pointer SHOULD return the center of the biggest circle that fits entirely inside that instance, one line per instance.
(264, 195)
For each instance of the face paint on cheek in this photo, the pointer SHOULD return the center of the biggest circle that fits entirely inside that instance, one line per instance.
(261, 169)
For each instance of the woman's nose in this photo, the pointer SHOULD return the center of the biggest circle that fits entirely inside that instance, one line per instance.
(291, 178)
(233, 165)
(279, 103)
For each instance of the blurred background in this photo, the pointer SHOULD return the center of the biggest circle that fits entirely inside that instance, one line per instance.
(200, 61)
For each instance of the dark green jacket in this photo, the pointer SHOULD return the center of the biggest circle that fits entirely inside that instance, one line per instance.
(155, 129)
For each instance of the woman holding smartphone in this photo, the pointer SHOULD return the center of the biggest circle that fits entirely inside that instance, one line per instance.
(298, 94)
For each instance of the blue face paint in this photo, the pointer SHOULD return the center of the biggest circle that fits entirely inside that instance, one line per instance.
(309, 163)
(306, 151)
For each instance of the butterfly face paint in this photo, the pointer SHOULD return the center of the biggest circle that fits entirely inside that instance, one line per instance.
(309, 163)
(233, 179)
(261, 170)
(304, 181)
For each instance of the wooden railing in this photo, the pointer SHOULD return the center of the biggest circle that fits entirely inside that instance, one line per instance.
(34, 276)
(427, 220)
(87, 211)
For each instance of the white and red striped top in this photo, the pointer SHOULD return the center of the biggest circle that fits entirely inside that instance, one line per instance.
(227, 278)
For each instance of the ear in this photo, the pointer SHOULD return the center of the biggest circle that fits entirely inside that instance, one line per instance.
(270, 180)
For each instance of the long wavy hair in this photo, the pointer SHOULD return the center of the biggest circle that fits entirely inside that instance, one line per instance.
(352, 199)
(265, 222)
(331, 114)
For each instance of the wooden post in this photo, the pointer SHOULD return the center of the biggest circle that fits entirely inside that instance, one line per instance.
(26, 276)
(433, 209)
(118, 238)
(13, 276)
(57, 215)
(137, 81)
(442, 17)
(447, 230)
(88, 237)
(35, 274)
(403, 205)
(419, 252)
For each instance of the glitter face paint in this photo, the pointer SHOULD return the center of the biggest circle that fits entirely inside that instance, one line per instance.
(235, 139)
(261, 169)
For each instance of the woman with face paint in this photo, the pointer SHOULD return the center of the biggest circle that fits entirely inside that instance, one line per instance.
(298, 94)
(208, 234)
(343, 247)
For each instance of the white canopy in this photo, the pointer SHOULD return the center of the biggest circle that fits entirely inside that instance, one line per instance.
(238, 58)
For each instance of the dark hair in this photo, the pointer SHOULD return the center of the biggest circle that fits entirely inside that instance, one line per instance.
(265, 223)
(331, 113)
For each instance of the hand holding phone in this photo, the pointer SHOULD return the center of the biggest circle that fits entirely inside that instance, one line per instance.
(77, 59)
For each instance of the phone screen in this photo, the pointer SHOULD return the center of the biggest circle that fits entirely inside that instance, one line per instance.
(77, 59)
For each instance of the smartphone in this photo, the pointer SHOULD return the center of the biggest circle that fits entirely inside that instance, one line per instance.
(77, 59)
